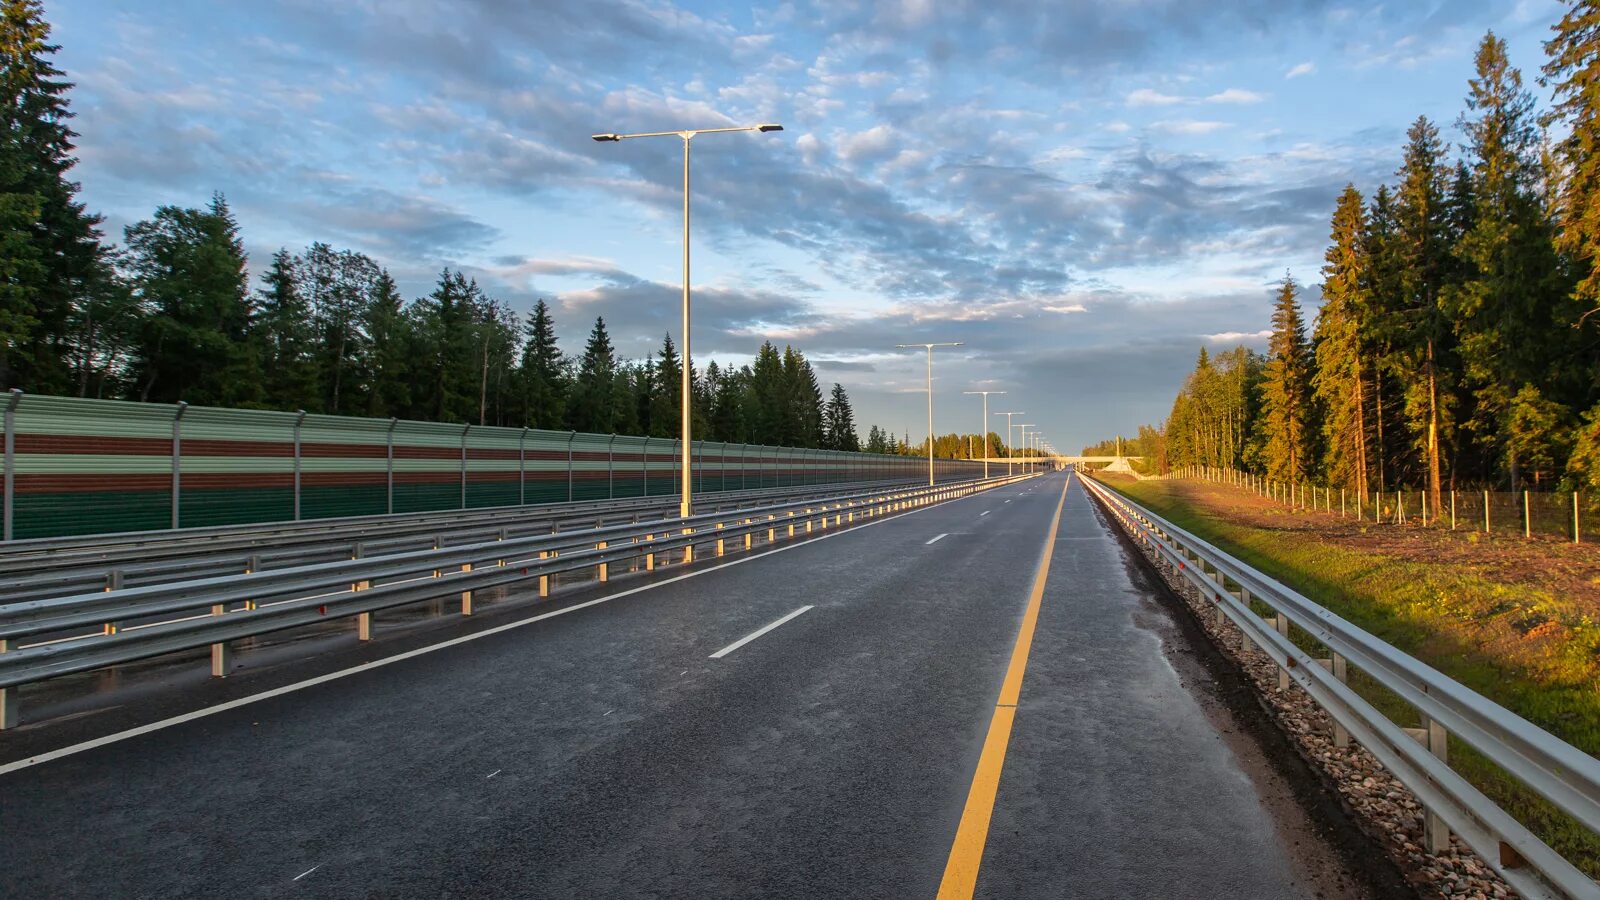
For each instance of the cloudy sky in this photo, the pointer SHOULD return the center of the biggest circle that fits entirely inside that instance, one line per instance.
(1083, 191)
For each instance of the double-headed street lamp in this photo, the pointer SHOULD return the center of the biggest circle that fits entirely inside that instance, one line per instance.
(985, 428)
(686, 503)
(929, 348)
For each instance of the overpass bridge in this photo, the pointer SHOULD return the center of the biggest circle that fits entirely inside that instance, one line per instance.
(899, 691)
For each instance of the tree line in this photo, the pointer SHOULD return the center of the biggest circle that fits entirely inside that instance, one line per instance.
(171, 314)
(1456, 344)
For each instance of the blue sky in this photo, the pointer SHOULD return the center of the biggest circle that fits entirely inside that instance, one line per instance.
(1085, 192)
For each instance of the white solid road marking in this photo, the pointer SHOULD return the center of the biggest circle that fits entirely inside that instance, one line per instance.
(985, 513)
(937, 537)
(118, 737)
(494, 773)
(757, 633)
(308, 871)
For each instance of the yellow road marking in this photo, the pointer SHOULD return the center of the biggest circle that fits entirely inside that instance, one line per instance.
(966, 854)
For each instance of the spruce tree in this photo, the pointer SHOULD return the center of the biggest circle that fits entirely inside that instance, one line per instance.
(1573, 70)
(283, 328)
(1506, 310)
(388, 363)
(665, 413)
(188, 268)
(542, 373)
(1340, 383)
(595, 396)
(1286, 391)
(50, 254)
(840, 427)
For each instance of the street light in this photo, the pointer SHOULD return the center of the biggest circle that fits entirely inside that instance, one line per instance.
(929, 348)
(1023, 431)
(686, 503)
(1011, 449)
(985, 428)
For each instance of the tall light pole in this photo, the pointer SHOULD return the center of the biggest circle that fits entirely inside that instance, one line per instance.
(1011, 449)
(1023, 431)
(929, 348)
(686, 502)
(985, 428)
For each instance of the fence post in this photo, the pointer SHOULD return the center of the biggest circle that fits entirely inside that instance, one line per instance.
(10, 501)
(1485, 512)
(570, 436)
(522, 467)
(611, 469)
(177, 460)
(645, 466)
(389, 454)
(299, 420)
(464, 432)
(1527, 519)
(1577, 534)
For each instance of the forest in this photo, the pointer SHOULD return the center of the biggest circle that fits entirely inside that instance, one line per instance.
(1456, 342)
(171, 314)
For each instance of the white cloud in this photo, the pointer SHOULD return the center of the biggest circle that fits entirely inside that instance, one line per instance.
(1305, 68)
(1236, 95)
(1189, 126)
(1064, 308)
(1148, 97)
(1228, 337)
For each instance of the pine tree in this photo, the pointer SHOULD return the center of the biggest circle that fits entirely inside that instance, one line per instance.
(1339, 383)
(50, 254)
(595, 406)
(542, 374)
(1286, 394)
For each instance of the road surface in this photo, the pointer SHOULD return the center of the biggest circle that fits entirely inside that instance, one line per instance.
(805, 723)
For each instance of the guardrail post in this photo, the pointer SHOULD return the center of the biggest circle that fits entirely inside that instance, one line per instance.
(602, 571)
(1336, 664)
(1435, 833)
(466, 596)
(688, 549)
(1281, 623)
(721, 549)
(177, 461)
(10, 462)
(649, 558)
(544, 580)
(10, 705)
(363, 620)
(114, 581)
(252, 564)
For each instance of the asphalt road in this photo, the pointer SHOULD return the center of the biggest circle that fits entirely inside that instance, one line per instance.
(609, 753)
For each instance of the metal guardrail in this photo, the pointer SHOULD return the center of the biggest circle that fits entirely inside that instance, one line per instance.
(249, 605)
(1562, 774)
(36, 570)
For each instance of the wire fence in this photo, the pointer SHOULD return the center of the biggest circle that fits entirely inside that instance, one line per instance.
(1568, 515)
(78, 466)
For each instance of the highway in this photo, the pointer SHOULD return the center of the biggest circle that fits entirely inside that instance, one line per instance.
(819, 720)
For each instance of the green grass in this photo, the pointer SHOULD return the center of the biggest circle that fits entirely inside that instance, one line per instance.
(1472, 629)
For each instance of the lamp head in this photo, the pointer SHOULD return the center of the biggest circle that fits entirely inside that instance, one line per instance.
(769, 127)
(607, 137)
